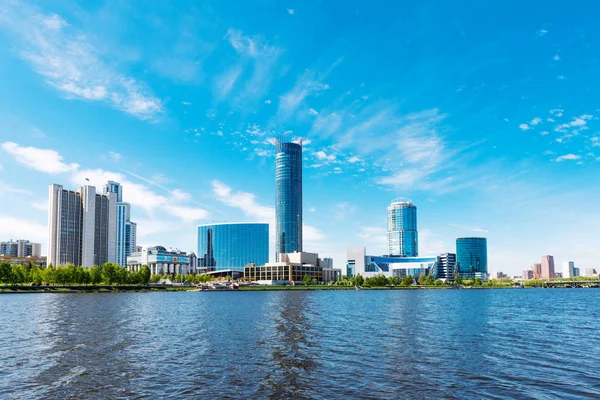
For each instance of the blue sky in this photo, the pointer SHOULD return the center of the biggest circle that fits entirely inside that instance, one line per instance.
(486, 116)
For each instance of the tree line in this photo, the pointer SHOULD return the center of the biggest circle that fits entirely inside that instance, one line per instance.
(108, 274)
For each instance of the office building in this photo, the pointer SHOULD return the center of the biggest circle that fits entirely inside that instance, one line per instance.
(403, 238)
(590, 272)
(82, 226)
(358, 262)
(527, 274)
(288, 202)
(126, 230)
(576, 272)
(445, 266)
(537, 270)
(568, 269)
(224, 246)
(547, 271)
(292, 267)
(160, 261)
(471, 256)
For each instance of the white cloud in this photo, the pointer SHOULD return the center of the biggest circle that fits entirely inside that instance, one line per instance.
(116, 157)
(73, 65)
(12, 227)
(186, 103)
(560, 77)
(43, 160)
(180, 195)
(310, 234)
(354, 159)
(576, 122)
(312, 111)
(267, 101)
(321, 155)
(595, 141)
(225, 82)
(243, 200)
(543, 133)
(290, 11)
(557, 58)
(41, 205)
(465, 228)
(542, 32)
(570, 157)
(524, 127)
(186, 213)
(6, 188)
(536, 121)
(312, 209)
(557, 112)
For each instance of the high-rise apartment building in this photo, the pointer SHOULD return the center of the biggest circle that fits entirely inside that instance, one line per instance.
(224, 246)
(403, 238)
(288, 202)
(568, 269)
(471, 256)
(81, 226)
(21, 248)
(126, 230)
(547, 271)
(537, 270)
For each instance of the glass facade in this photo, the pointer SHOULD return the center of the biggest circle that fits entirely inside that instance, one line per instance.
(232, 245)
(471, 256)
(403, 238)
(288, 202)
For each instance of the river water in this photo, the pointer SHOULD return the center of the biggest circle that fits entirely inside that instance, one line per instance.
(531, 343)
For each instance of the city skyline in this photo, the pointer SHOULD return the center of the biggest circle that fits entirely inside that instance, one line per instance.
(185, 119)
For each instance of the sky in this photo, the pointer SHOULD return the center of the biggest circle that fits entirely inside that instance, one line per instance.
(485, 116)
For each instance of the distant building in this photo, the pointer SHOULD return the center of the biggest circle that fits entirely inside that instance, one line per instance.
(36, 260)
(471, 256)
(193, 263)
(288, 198)
(126, 230)
(590, 272)
(292, 267)
(499, 275)
(568, 269)
(445, 266)
(82, 226)
(225, 246)
(558, 275)
(403, 237)
(547, 267)
(160, 261)
(357, 262)
(576, 272)
(527, 274)
(21, 248)
(537, 270)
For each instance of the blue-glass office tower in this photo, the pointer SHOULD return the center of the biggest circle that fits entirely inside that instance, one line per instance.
(288, 202)
(471, 256)
(232, 245)
(403, 238)
(126, 229)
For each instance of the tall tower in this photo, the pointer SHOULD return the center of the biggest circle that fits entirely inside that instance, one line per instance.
(288, 203)
(471, 255)
(403, 238)
(125, 230)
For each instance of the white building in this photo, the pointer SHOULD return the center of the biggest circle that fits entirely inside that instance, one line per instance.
(358, 262)
(126, 230)
(81, 226)
(292, 267)
(21, 248)
(568, 269)
(160, 261)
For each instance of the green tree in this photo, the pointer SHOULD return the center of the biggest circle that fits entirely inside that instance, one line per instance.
(359, 280)
(407, 280)
(144, 274)
(95, 275)
(457, 280)
(477, 282)
(306, 280)
(430, 280)
(438, 282)
(5, 272)
(421, 279)
(110, 274)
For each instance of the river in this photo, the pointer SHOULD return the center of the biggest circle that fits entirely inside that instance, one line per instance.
(530, 343)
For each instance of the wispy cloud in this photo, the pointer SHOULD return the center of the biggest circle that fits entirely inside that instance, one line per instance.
(524, 127)
(542, 32)
(466, 228)
(321, 155)
(43, 160)
(568, 157)
(72, 65)
(290, 11)
(114, 156)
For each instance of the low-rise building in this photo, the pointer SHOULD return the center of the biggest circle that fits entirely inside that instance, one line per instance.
(445, 267)
(39, 261)
(292, 267)
(357, 262)
(590, 272)
(160, 261)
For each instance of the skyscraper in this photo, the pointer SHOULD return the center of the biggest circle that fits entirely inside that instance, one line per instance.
(547, 267)
(471, 255)
(125, 229)
(403, 238)
(568, 269)
(223, 246)
(81, 226)
(288, 203)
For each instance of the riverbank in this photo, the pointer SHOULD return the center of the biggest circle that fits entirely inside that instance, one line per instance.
(7, 289)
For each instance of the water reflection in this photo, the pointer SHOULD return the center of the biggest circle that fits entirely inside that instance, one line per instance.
(294, 347)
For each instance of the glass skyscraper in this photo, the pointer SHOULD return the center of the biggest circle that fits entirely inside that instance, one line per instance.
(126, 229)
(403, 238)
(288, 202)
(232, 245)
(471, 256)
